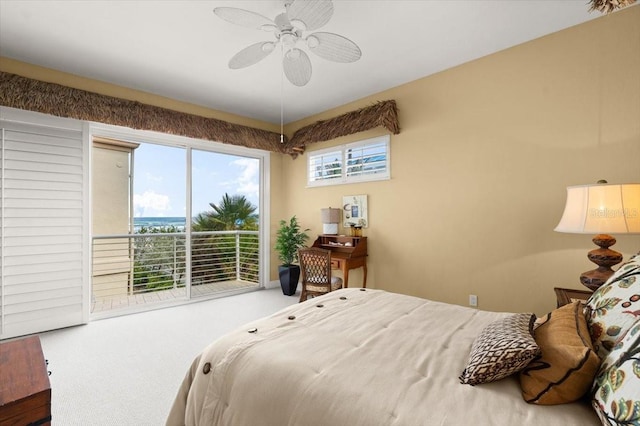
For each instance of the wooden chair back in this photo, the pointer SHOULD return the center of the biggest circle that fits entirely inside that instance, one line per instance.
(315, 272)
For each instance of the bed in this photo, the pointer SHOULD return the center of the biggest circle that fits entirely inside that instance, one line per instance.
(369, 357)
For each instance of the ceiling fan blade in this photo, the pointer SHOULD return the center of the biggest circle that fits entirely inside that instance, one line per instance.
(244, 18)
(251, 55)
(333, 47)
(297, 67)
(312, 13)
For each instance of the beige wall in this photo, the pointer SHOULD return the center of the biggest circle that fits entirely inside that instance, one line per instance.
(110, 215)
(480, 167)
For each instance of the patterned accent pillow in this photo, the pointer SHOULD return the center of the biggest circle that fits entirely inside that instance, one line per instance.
(616, 389)
(565, 369)
(614, 307)
(504, 347)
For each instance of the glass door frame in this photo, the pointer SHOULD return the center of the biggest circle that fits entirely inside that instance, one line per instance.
(143, 136)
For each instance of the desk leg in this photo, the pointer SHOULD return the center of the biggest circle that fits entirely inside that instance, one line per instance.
(364, 275)
(345, 275)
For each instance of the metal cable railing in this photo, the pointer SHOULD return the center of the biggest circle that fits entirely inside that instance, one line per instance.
(136, 264)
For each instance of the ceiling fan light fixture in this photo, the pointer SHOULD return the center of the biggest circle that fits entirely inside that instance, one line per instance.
(293, 54)
(289, 40)
(268, 47)
(312, 42)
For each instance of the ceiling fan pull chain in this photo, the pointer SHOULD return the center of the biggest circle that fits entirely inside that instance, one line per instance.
(282, 96)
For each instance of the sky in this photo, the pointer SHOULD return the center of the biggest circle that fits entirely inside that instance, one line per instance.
(160, 176)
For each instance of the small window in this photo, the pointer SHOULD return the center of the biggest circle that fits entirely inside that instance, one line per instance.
(325, 165)
(360, 161)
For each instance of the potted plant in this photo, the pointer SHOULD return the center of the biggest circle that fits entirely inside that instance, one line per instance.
(289, 239)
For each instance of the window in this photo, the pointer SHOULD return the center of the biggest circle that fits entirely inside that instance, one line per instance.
(361, 161)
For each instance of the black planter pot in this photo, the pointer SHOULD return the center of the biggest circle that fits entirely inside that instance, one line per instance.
(289, 276)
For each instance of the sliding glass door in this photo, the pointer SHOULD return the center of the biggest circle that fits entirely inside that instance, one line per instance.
(225, 192)
(172, 222)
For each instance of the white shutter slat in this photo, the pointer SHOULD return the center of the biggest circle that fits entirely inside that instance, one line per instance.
(37, 175)
(39, 286)
(42, 225)
(21, 184)
(49, 276)
(40, 240)
(61, 232)
(29, 222)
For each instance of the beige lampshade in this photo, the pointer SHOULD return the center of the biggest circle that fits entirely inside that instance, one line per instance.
(330, 215)
(601, 209)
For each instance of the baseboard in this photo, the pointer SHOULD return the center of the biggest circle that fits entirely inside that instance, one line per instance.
(273, 284)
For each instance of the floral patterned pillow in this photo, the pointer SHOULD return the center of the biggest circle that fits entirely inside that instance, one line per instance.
(616, 389)
(614, 307)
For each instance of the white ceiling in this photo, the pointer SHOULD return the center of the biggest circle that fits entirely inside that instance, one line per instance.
(180, 49)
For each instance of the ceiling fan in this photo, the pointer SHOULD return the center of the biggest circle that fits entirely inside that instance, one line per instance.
(289, 29)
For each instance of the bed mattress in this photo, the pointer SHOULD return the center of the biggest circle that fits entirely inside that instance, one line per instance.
(355, 357)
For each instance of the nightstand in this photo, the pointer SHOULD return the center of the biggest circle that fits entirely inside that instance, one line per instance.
(568, 295)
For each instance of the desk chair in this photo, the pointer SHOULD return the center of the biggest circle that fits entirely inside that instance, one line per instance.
(315, 269)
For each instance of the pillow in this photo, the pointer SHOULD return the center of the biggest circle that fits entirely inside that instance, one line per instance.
(613, 308)
(565, 369)
(504, 347)
(616, 389)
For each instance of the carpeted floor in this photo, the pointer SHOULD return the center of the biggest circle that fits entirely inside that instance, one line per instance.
(126, 370)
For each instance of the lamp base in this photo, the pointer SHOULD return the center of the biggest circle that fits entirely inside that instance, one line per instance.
(330, 228)
(605, 258)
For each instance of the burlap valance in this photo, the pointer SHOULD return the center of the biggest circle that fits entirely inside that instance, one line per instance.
(62, 101)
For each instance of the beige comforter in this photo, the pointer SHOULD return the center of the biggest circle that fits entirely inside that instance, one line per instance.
(356, 358)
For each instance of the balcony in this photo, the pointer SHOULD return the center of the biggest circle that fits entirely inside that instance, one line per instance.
(130, 271)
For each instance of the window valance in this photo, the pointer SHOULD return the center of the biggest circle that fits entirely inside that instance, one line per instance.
(62, 101)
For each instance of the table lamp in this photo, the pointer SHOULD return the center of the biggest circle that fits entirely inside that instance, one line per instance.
(330, 220)
(601, 209)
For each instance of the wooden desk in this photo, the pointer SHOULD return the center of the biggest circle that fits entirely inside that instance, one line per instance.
(25, 392)
(346, 253)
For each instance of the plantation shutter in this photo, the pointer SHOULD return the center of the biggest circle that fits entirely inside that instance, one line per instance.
(325, 165)
(367, 159)
(42, 228)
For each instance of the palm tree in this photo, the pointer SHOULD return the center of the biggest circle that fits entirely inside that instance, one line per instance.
(233, 212)
(213, 256)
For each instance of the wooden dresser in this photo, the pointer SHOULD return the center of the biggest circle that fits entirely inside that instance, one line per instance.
(25, 392)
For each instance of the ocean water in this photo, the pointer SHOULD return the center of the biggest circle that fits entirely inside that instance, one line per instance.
(157, 222)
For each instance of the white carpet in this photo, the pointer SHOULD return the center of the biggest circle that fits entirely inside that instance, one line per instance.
(126, 370)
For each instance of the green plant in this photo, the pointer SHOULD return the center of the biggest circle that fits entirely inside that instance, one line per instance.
(290, 238)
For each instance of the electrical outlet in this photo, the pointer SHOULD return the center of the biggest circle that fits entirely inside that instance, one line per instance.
(473, 300)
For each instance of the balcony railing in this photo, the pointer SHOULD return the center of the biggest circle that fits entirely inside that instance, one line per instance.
(146, 267)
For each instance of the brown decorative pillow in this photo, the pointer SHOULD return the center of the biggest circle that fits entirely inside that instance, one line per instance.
(504, 347)
(568, 363)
